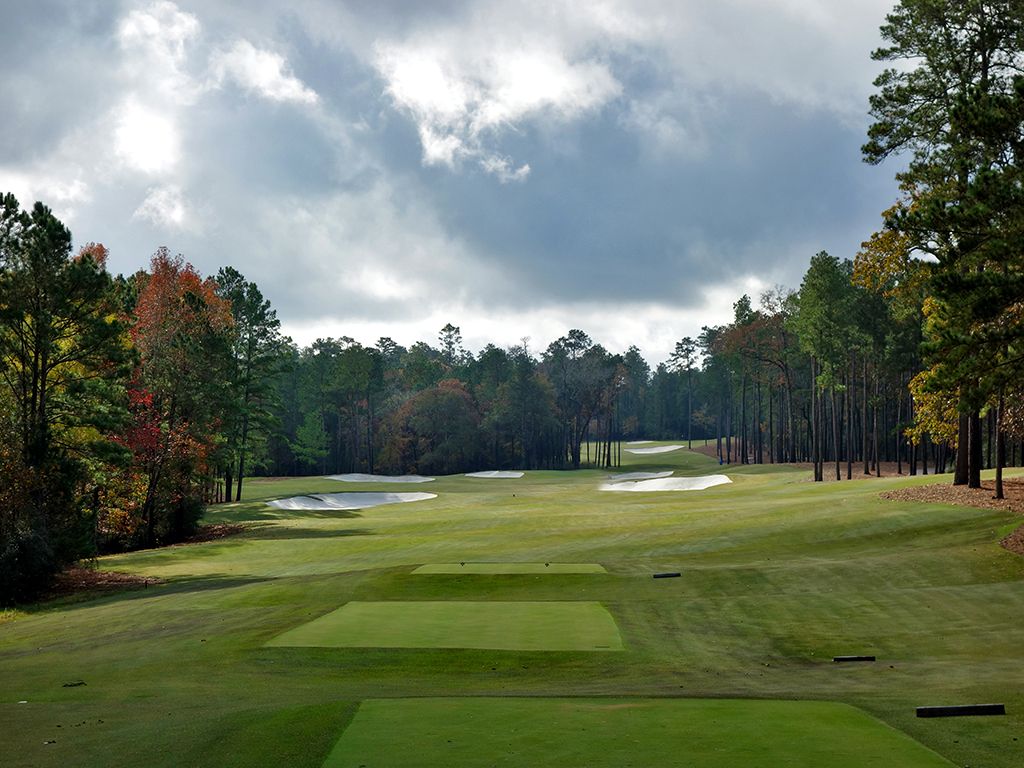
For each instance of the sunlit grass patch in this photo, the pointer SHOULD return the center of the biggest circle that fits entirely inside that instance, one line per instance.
(514, 626)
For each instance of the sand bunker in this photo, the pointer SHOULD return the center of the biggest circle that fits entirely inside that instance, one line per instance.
(655, 449)
(638, 476)
(329, 501)
(358, 477)
(638, 442)
(496, 474)
(669, 484)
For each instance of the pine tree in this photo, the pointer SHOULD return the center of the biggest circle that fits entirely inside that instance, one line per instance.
(63, 358)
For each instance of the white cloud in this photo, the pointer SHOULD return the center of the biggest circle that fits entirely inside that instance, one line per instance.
(63, 193)
(653, 328)
(378, 252)
(155, 41)
(810, 54)
(264, 72)
(502, 168)
(146, 140)
(462, 98)
(161, 27)
(520, 84)
(421, 81)
(165, 207)
(469, 76)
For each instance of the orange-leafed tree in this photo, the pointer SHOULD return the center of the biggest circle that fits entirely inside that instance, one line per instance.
(178, 394)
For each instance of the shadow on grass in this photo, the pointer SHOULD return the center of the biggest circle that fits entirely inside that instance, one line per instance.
(270, 532)
(271, 514)
(246, 512)
(142, 590)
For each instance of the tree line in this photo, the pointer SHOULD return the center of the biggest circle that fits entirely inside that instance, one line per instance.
(122, 398)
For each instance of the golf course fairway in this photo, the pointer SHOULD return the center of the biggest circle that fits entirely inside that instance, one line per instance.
(356, 637)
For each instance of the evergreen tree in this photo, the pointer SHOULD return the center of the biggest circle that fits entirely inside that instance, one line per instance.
(952, 108)
(254, 366)
(63, 358)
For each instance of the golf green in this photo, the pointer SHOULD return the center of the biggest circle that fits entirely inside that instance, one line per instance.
(711, 733)
(501, 569)
(514, 626)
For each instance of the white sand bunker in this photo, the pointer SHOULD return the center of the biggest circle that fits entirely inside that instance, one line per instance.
(358, 477)
(655, 449)
(496, 474)
(669, 484)
(638, 442)
(638, 476)
(329, 501)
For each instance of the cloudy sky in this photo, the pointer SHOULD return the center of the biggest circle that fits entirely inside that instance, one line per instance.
(628, 167)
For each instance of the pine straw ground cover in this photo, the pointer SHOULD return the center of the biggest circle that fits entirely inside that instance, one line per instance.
(80, 580)
(83, 581)
(984, 498)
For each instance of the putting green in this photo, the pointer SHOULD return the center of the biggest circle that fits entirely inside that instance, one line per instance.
(513, 626)
(711, 733)
(509, 568)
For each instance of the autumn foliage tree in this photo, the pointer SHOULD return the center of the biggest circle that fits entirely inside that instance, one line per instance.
(182, 332)
(435, 432)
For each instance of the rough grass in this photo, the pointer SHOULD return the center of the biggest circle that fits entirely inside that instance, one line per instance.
(498, 625)
(778, 575)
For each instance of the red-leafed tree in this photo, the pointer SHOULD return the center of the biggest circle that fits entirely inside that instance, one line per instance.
(182, 333)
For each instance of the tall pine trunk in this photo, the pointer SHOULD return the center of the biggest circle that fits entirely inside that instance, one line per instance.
(835, 431)
(1000, 448)
(864, 418)
(815, 422)
(744, 450)
(758, 449)
(849, 420)
(899, 427)
(241, 457)
(974, 436)
(689, 408)
(874, 429)
(960, 476)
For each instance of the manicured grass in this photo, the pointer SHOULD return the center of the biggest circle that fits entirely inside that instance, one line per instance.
(465, 733)
(509, 626)
(509, 568)
(778, 575)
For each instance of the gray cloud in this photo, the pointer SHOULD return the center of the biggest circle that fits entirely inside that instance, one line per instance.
(671, 147)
